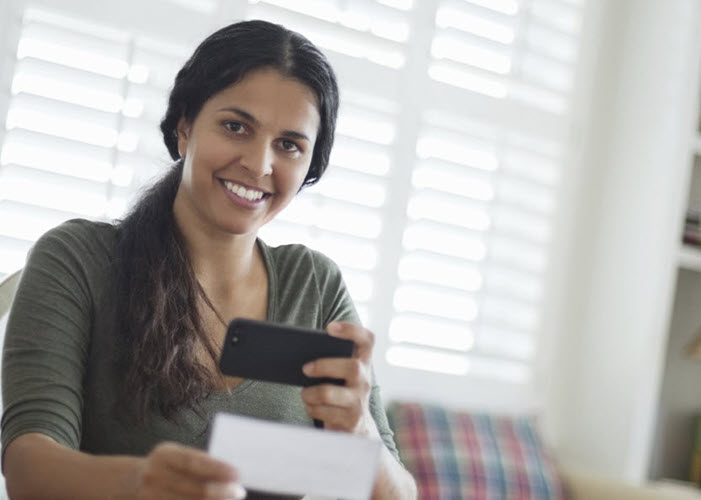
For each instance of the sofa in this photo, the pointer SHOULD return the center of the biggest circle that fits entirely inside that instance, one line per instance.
(458, 455)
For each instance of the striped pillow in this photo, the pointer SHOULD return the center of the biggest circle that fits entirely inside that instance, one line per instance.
(461, 456)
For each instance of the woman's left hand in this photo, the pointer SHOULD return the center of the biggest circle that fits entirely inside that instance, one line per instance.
(343, 407)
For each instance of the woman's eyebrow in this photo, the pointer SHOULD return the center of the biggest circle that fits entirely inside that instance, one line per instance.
(243, 114)
(293, 134)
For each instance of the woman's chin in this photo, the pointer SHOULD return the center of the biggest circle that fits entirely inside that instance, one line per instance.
(240, 229)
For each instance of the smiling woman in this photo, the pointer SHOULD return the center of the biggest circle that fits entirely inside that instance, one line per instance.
(109, 390)
(246, 154)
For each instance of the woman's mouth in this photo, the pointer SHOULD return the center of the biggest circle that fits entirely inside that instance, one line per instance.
(243, 192)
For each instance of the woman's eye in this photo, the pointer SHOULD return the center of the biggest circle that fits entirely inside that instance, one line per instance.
(288, 145)
(234, 127)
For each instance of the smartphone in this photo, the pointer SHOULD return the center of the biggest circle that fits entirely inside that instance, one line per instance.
(276, 353)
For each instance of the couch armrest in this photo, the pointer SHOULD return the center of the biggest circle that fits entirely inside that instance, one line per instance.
(587, 486)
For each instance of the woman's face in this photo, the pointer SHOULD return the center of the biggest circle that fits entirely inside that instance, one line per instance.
(247, 152)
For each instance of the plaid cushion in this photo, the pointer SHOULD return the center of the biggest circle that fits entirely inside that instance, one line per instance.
(460, 456)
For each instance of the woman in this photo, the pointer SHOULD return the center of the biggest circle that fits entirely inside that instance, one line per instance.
(109, 371)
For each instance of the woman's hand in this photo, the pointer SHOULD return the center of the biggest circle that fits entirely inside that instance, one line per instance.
(173, 471)
(347, 407)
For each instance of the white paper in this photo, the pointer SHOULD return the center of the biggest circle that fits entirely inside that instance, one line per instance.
(282, 458)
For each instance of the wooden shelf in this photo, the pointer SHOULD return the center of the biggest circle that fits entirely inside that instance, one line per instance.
(689, 258)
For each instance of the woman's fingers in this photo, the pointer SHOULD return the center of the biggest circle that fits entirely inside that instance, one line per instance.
(346, 407)
(363, 338)
(330, 395)
(181, 487)
(193, 462)
(175, 471)
(352, 370)
(337, 418)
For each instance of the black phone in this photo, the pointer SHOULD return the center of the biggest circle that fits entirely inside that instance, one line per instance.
(271, 352)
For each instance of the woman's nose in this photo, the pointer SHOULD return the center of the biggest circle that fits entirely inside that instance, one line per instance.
(258, 159)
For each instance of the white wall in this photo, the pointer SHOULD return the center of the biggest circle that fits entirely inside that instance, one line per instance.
(617, 278)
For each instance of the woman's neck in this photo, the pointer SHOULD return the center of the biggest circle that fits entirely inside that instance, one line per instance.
(223, 263)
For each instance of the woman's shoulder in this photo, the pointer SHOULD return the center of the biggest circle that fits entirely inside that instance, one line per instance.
(80, 236)
(84, 227)
(77, 253)
(300, 258)
(309, 287)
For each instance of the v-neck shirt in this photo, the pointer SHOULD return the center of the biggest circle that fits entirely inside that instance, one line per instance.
(59, 371)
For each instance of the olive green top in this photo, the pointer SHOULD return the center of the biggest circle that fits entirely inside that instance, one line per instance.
(59, 367)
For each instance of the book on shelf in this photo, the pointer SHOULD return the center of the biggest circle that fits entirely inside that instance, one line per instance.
(692, 228)
(692, 237)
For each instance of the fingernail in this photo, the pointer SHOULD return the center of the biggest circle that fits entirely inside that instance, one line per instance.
(236, 491)
(308, 368)
(241, 492)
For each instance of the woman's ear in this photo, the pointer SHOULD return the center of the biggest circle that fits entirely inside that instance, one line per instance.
(183, 131)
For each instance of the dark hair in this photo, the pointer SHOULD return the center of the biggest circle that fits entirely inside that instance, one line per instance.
(158, 293)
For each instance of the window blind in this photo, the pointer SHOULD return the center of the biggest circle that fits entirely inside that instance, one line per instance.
(488, 160)
(438, 204)
(81, 128)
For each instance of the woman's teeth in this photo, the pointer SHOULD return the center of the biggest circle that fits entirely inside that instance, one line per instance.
(249, 194)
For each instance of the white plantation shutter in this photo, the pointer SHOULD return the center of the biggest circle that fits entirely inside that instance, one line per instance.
(82, 125)
(488, 161)
(438, 204)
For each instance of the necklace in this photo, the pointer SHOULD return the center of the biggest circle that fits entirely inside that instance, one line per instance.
(208, 341)
(204, 296)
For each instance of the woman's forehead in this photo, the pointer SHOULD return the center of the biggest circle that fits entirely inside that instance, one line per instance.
(269, 96)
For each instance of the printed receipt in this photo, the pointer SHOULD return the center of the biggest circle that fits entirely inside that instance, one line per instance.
(288, 459)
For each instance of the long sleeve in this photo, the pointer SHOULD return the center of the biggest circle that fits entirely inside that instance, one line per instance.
(47, 342)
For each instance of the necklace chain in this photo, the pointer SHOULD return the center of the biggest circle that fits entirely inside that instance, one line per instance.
(216, 313)
(204, 296)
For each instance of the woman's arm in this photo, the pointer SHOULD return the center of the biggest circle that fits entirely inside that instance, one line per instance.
(393, 481)
(37, 467)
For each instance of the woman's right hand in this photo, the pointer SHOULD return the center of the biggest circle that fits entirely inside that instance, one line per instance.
(174, 471)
